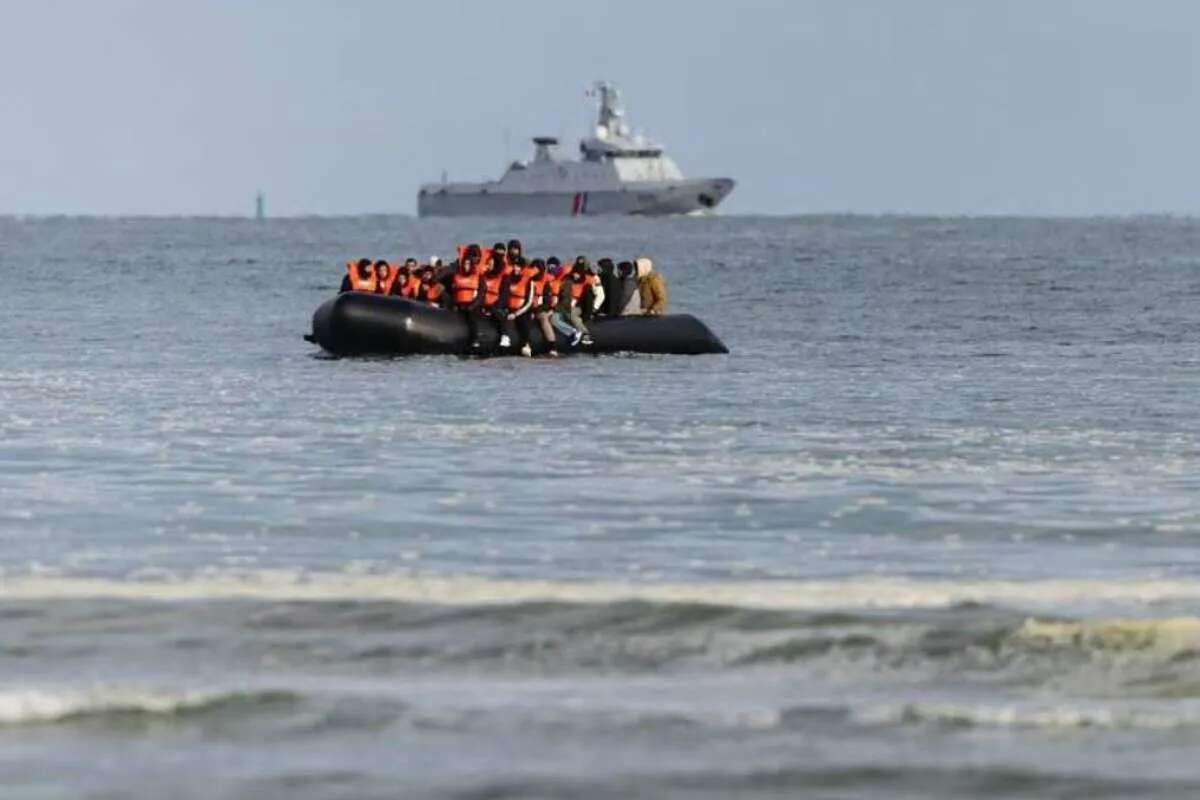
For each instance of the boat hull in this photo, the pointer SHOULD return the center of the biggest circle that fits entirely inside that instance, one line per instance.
(648, 199)
(354, 324)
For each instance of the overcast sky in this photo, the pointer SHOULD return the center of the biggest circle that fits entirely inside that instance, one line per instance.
(920, 106)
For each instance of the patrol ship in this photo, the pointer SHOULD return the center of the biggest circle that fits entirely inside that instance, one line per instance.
(618, 172)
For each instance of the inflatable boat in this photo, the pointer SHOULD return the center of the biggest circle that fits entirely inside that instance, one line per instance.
(355, 323)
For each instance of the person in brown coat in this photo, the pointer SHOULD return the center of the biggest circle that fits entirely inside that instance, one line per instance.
(652, 288)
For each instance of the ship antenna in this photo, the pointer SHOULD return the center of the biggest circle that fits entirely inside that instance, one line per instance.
(611, 119)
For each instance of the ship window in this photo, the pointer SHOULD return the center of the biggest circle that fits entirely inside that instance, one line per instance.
(634, 154)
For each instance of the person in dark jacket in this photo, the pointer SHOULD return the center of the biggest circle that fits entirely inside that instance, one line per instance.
(608, 279)
(625, 301)
(499, 253)
(516, 252)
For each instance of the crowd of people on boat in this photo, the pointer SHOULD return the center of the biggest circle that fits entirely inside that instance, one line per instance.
(497, 283)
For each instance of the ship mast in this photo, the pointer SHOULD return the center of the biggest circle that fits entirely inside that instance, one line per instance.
(611, 121)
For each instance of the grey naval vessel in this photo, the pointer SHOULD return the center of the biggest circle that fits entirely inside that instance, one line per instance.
(617, 172)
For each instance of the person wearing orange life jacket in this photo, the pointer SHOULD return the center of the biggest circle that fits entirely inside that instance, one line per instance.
(429, 291)
(542, 308)
(483, 256)
(400, 282)
(556, 277)
(467, 292)
(518, 270)
(591, 298)
(495, 293)
(518, 293)
(558, 274)
(360, 277)
(554, 270)
(385, 276)
(579, 291)
(413, 282)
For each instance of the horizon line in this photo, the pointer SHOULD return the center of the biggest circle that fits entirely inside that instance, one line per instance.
(231, 217)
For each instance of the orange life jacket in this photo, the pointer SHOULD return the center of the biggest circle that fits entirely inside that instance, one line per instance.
(577, 287)
(539, 290)
(430, 294)
(410, 286)
(385, 287)
(491, 289)
(464, 287)
(358, 284)
(485, 256)
(516, 290)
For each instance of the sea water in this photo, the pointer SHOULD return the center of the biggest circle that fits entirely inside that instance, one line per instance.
(928, 530)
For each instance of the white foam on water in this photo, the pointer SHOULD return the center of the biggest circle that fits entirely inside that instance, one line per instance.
(865, 592)
(1049, 717)
(28, 706)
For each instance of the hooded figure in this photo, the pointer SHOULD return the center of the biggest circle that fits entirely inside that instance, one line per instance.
(608, 282)
(516, 253)
(626, 300)
(652, 288)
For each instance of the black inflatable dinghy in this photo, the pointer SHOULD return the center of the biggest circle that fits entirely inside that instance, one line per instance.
(355, 323)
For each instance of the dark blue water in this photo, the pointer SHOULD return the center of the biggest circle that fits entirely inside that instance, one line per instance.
(927, 530)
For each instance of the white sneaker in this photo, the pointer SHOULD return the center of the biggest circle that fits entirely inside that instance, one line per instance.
(505, 341)
(526, 350)
(576, 338)
(552, 354)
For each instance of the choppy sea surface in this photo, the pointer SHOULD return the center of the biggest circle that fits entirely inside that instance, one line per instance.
(929, 530)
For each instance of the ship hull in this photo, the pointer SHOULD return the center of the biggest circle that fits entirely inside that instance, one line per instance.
(483, 200)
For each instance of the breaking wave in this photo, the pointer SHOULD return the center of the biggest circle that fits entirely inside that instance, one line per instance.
(1053, 717)
(41, 706)
(866, 629)
(848, 593)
